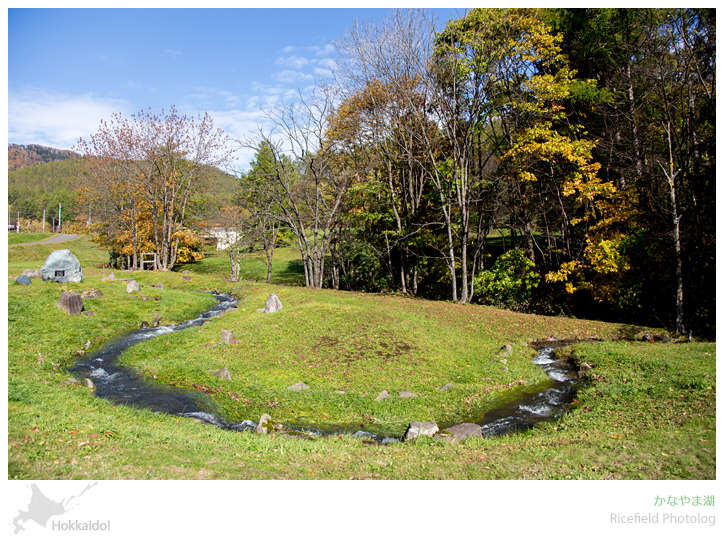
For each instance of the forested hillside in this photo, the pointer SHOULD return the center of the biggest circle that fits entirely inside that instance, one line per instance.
(33, 189)
(20, 156)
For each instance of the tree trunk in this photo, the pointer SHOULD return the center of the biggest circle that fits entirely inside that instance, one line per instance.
(675, 218)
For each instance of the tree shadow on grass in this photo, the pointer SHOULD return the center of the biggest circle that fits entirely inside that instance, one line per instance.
(291, 272)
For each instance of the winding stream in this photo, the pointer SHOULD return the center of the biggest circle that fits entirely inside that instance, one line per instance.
(548, 401)
(122, 386)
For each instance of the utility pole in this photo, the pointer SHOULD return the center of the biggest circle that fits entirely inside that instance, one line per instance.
(59, 224)
(43, 220)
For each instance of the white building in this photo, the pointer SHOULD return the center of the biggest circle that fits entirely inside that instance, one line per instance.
(224, 238)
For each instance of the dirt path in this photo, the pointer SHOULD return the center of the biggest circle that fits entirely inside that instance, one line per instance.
(55, 239)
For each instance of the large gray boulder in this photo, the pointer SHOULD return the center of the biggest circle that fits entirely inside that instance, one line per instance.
(227, 337)
(62, 266)
(273, 304)
(268, 425)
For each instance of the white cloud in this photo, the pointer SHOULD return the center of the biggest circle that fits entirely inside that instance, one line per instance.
(295, 62)
(239, 125)
(56, 120)
(321, 72)
(206, 97)
(326, 50)
(289, 76)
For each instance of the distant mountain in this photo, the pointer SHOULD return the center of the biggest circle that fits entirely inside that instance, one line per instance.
(20, 156)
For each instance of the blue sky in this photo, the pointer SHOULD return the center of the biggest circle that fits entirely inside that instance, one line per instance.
(70, 68)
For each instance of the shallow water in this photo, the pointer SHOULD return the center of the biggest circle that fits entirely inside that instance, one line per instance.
(122, 386)
(547, 401)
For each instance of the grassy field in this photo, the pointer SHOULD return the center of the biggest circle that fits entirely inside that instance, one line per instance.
(16, 239)
(649, 411)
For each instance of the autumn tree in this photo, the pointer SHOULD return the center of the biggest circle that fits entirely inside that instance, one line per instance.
(381, 73)
(503, 82)
(656, 142)
(145, 168)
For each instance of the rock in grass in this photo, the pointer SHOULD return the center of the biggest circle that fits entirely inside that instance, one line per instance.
(506, 350)
(273, 304)
(133, 287)
(91, 294)
(459, 432)
(267, 425)
(583, 369)
(223, 374)
(33, 273)
(70, 303)
(62, 266)
(298, 386)
(384, 394)
(110, 278)
(420, 429)
(445, 387)
(23, 279)
(227, 337)
(407, 394)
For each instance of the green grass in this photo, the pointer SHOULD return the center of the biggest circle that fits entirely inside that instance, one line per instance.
(648, 411)
(287, 266)
(16, 239)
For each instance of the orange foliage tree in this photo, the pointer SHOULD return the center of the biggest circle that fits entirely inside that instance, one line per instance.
(141, 173)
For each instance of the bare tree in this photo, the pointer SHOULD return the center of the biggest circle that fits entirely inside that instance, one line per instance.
(299, 181)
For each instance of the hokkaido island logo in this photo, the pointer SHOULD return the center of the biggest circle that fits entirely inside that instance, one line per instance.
(42, 509)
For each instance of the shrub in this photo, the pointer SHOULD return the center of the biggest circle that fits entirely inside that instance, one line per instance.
(509, 283)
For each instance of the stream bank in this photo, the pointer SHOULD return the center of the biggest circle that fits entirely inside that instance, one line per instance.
(122, 386)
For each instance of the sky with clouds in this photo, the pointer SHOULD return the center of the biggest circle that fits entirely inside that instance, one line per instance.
(68, 69)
